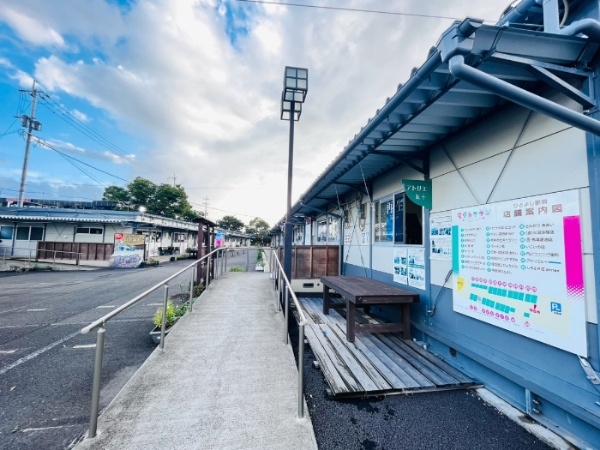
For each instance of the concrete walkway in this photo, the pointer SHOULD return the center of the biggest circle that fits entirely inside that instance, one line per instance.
(225, 380)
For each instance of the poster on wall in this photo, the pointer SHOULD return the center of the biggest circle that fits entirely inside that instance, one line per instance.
(128, 252)
(416, 267)
(401, 265)
(518, 265)
(440, 237)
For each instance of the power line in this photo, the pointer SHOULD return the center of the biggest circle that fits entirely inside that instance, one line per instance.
(47, 145)
(68, 117)
(336, 8)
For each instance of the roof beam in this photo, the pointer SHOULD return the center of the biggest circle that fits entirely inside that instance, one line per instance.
(359, 188)
(402, 159)
(563, 87)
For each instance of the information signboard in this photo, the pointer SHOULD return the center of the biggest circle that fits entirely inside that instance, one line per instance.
(518, 265)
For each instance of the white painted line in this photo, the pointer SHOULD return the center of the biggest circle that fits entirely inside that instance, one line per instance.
(37, 309)
(154, 304)
(85, 346)
(37, 353)
(28, 430)
(7, 352)
(105, 306)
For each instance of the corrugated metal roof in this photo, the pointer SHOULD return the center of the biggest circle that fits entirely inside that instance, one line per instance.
(433, 104)
(34, 214)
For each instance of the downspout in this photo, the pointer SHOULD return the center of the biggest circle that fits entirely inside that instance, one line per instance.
(464, 72)
(589, 27)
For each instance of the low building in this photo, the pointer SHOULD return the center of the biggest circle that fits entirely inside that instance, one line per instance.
(88, 233)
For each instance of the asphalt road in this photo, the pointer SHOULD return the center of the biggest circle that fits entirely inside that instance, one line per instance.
(46, 365)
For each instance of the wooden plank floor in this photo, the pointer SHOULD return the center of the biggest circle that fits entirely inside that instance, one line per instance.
(375, 363)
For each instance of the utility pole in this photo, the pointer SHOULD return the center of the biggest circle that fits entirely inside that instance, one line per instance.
(206, 207)
(31, 124)
(174, 179)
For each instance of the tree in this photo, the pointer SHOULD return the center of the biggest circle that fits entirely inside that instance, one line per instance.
(163, 200)
(231, 223)
(116, 194)
(142, 192)
(169, 201)
(258, 229)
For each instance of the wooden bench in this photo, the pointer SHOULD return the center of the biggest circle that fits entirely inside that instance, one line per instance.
(360, 292)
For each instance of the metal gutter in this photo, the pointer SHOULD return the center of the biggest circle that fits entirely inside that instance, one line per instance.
(518, 14)
(462, 71)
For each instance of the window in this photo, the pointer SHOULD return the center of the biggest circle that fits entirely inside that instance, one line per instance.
(398, 220)
(6, 232)
(22, 233)
(30, 233)
(37, 234)
(384, 220)
(86, 230)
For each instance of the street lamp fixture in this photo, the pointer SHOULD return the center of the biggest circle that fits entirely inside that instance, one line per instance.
(295, 88)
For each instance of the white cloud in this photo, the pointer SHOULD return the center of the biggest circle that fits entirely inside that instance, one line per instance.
(80, 116)
(169, 72)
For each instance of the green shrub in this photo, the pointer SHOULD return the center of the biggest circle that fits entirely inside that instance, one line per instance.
(236, 269)
(198, 289)
(259, 255)
(171, 315)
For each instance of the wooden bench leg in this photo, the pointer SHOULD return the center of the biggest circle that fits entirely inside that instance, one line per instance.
(326, 300)
(405, 311)
(350, 320)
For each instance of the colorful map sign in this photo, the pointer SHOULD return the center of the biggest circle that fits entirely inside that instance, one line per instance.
(518, 265)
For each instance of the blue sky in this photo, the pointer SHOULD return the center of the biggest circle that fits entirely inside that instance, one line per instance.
(191, 89)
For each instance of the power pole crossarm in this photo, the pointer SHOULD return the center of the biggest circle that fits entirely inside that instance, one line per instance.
(31, 125)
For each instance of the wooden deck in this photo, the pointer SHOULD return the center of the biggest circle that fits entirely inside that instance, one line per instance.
(374, 364)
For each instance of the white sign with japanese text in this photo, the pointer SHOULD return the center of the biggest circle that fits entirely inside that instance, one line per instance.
(416, 267)
(440, 237)
(518, 265)
(401, 265)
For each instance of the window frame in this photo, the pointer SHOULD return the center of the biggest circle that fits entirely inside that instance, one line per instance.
(380, 227)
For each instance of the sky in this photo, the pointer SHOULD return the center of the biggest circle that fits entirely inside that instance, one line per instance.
(189, 91)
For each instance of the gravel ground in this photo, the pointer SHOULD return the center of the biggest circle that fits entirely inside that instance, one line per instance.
(442, 420)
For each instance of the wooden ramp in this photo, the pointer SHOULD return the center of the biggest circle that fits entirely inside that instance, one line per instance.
(374, 364)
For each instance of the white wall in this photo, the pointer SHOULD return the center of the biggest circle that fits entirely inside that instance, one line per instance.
(511, 155)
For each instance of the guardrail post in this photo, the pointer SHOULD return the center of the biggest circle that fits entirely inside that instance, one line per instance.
(192, 288)
(279, 291)
(96, 384)
(163, 324)
(285, 315)
(301, 371)
(248, 259)
(53, 259)
(223, 261)
(207, 271)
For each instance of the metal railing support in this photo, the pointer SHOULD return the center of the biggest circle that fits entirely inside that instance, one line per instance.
(285, 315)
(163, 324)
(192, 288)
(207, 272)
(301, 371)
(96, 384)
(248, 259)
(279, 291)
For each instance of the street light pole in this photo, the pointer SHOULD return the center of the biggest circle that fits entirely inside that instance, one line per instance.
(295, 88)
(287, 244)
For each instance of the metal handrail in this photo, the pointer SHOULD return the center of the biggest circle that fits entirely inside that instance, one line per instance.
(280, 274)
(100, 323)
